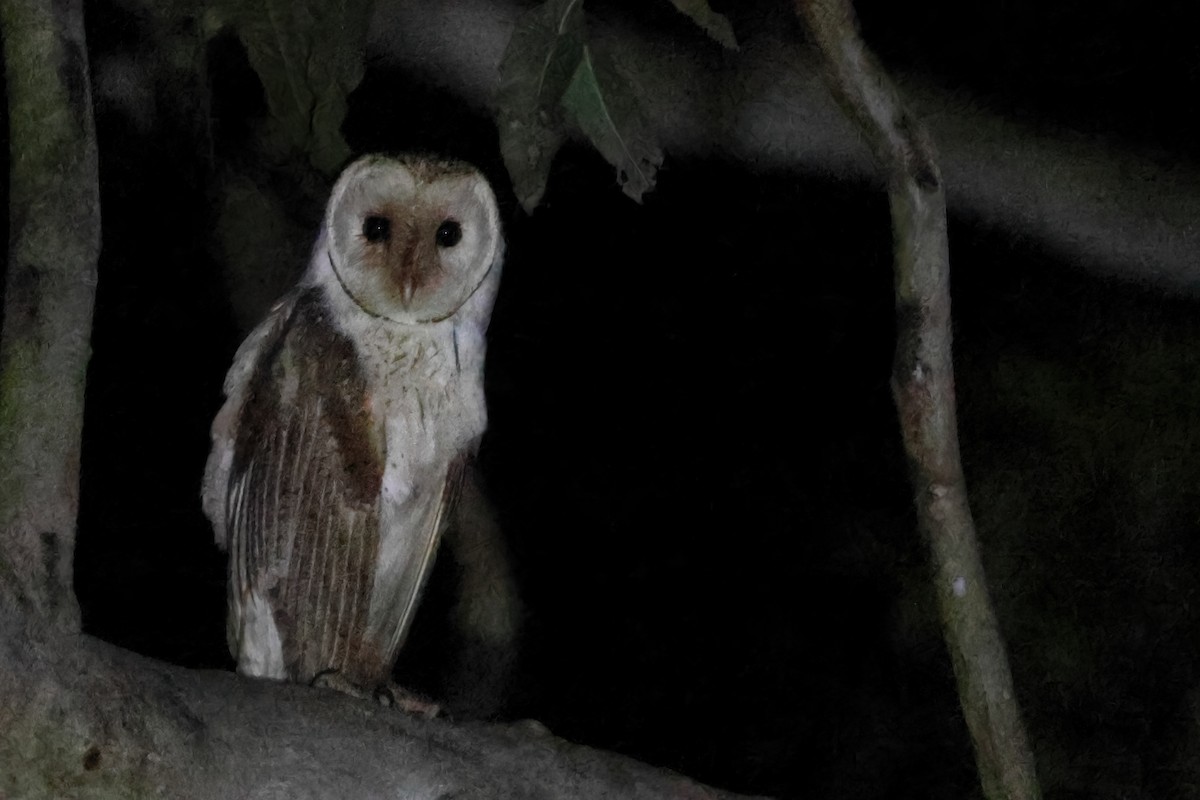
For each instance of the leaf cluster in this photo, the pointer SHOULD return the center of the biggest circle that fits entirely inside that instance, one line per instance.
(309, 57)
(554, 83)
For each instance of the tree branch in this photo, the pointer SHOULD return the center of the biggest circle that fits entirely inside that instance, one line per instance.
(81, 718)
(923, 386)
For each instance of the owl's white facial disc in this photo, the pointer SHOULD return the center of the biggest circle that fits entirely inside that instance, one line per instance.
(410, 241)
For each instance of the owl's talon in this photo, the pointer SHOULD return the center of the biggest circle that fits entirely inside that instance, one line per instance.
(333, 679)
(321, 679)
(384, 696)
(393, 695)
(388, 695)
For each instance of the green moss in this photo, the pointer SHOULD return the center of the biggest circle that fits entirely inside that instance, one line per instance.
(56, 763)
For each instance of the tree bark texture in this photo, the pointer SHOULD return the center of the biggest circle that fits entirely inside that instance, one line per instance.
(54, 212)
(923, 387)
(83, 719)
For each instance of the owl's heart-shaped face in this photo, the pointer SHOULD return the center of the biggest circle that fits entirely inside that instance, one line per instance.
(410, 241)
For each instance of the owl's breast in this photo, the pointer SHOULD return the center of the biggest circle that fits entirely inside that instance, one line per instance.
(428, 400)
(424, 385)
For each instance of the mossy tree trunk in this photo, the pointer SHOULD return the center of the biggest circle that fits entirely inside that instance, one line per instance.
(923, 387)
(54, 214)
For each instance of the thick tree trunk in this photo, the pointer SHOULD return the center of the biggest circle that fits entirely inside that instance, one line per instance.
(923, 385)
(54, 212)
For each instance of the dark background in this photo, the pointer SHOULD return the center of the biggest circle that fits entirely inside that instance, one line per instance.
(693, 450)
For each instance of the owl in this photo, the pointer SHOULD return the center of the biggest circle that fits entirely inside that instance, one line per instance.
(351, 413)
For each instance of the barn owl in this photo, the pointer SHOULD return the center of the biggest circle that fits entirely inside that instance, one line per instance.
(350, 414)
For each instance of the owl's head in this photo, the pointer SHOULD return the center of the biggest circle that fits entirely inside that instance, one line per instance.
(410, 239)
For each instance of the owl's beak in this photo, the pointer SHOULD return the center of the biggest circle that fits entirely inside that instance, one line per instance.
(410, 258)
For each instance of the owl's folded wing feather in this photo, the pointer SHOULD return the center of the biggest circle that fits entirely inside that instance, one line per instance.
(302, 514)
(406, 556)
(215, 487)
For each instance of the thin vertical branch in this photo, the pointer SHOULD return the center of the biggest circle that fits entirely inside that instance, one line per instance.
(54, 212)
(923, 387)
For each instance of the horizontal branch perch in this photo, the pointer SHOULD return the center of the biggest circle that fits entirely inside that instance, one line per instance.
(81, 718)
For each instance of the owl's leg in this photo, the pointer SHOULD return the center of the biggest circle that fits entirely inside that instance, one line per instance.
(389, 694)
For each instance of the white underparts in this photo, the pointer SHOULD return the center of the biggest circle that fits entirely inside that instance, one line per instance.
(425, 394)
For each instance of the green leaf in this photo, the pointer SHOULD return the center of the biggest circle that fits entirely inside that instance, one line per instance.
(538, 64)
(603, 105)
(552, 84)
(309, 57)
(715, 25)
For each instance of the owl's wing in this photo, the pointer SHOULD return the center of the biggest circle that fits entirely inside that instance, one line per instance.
(215, 487)
(411, 535)
(302, 508)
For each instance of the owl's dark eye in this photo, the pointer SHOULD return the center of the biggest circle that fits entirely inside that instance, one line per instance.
(377, 229)
(449, 233)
